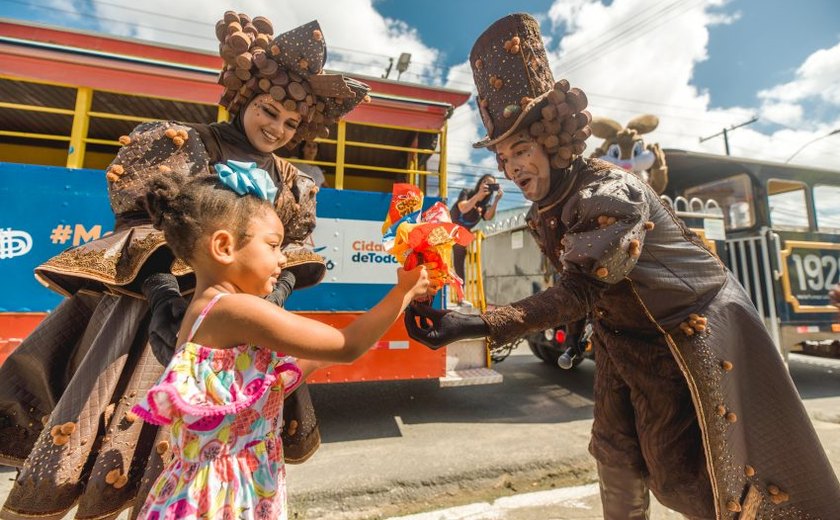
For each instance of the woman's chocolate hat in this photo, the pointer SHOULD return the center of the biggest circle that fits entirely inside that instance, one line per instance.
(289, 66)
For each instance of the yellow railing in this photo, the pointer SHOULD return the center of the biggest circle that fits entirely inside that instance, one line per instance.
(473, 280)
(82, 115)
(412, 172)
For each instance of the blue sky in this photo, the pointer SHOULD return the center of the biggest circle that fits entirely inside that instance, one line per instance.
(700, 65)
(765, 46)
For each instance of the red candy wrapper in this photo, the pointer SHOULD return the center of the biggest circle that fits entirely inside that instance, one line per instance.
(416, 238)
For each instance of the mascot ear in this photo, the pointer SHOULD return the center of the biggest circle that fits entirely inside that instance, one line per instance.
(604, 128)
(644, 124)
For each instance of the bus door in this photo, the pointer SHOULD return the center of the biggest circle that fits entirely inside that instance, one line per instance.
(805, 222)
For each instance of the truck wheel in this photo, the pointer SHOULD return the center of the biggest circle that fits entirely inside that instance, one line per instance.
(547, 355)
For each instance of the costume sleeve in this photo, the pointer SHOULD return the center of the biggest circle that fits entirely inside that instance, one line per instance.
(296, 206)
(606, 224)
(148, 152)
(296, 203)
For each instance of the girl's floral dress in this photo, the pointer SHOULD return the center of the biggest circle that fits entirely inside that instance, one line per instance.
(224, 408)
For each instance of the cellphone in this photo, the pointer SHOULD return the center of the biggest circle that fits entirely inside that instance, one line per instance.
(493, 187)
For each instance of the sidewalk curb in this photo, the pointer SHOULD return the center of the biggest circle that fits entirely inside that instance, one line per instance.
(824, 416)
(402, 497)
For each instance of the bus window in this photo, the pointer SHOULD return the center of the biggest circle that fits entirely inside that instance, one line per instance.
(734, 196)
(828, 211)
(788, 205)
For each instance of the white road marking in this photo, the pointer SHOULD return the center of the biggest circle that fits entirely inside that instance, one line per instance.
(570, 497)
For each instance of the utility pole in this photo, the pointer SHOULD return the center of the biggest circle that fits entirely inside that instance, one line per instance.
(388, 70)
(725, 133)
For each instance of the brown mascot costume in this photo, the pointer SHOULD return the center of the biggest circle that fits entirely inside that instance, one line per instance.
(625, 147)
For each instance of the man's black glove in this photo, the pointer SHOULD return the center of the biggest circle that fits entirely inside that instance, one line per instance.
(167, 307)
(284, 287)
(436, 328)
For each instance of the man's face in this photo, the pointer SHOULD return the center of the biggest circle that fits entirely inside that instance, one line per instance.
(527, 164)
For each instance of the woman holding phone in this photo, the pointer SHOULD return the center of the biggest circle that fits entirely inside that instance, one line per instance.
(472, 207)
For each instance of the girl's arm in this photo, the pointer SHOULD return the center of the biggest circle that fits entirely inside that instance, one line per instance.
(307, 366)
(242, 318)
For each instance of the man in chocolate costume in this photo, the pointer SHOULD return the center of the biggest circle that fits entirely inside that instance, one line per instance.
(692, 399)
(67, 390)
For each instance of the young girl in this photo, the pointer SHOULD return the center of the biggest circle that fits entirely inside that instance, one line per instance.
(222, 393)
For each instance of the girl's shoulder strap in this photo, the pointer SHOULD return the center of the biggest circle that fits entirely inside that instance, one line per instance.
(203, 315)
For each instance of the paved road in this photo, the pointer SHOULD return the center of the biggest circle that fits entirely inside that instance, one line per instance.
(395, 449)
(431, 447)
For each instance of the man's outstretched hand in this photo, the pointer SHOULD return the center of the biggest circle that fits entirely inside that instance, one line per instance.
(436, 328)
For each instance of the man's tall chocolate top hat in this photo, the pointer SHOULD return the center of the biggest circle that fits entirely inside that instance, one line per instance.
(511, 74)
(516, 91)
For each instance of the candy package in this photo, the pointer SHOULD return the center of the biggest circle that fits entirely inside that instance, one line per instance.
(423, 238)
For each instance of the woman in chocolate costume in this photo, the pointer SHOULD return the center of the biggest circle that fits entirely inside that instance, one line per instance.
(692, 399)
(66, 391)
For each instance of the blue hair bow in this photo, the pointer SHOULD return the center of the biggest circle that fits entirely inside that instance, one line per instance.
(246, 179)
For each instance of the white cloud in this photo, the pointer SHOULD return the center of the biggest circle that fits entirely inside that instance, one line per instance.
(59, 12)
(787, 114)
(634, 57)
(818, 77)
(630, 57)
(464, 126)
(568, 14)
(359, 39)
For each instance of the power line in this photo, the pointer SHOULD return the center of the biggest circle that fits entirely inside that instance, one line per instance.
(157, 14)
(639, 31)
(725, 134)
(429, 76)
(661, 115)
(114, 20)
(607, 37)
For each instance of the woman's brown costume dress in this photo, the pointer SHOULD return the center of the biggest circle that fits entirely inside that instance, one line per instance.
(66, 391)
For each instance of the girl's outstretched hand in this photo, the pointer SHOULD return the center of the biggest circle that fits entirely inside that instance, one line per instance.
(415, 282)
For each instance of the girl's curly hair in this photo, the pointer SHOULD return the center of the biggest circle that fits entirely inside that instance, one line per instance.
(188, 209)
